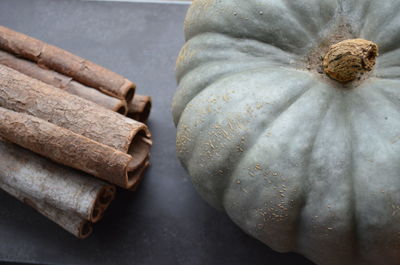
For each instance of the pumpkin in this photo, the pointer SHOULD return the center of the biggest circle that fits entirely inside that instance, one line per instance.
(288, 123)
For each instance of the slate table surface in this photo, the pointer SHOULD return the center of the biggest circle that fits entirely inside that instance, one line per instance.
(165, 221)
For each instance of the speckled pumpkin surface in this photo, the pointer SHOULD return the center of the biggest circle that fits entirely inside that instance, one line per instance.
(297, 160)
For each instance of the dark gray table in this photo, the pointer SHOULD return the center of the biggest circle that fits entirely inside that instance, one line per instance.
(165, 222)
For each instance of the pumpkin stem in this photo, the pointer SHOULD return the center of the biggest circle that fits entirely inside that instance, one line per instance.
(349, 59)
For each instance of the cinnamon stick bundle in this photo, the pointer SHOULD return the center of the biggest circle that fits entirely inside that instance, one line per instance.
(68, 148)
(68, 197)
(62, 69)
(64, 82)
(21, 93)
(64, 126)
(139, 108)
(81, 70)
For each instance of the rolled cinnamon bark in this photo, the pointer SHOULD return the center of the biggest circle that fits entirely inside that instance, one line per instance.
(72, 223)
(109, 102)
(62, 187)
(64, 195)
(141, 175)
(64, 82)
(81, 70)
(139, 108)
(21, 93)
(68, 148)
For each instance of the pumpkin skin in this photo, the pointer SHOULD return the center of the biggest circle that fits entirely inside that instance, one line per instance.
(298, 161)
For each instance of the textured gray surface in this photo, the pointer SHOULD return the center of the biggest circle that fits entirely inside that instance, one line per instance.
(165, 222)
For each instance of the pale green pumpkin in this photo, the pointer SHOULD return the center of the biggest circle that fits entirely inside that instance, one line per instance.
(297, 160)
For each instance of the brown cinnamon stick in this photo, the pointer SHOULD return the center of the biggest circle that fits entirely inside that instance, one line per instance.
(21, 93)
(64, 82)
(81, 70)
(66, 196)
(68, 148)
(139, 108)
(141, 175)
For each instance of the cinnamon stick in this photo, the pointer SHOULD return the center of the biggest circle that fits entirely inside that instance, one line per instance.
(141, 175)
(72, 223)
(81, 70)
(68, 148)
(66, 196)
(21, 93)
(56, 185)
(139, 108)
(64, 82)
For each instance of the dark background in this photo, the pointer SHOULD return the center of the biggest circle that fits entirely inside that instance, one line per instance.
(165, 221)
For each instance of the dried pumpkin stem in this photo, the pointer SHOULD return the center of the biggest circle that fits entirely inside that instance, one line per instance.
(349, 59)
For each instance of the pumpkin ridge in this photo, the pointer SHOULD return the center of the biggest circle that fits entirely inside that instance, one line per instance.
(262, 43)
(210, 81)
(188, 156)
(242, 164)
(283, 103)
(376, 35)
(372, 120)
(382, 74)
(365, 11)
(390, 101)
(310, 34)
(386, 94)
(306, 176)
(196, 148)
(392, 48)
(182, 94)
(204, 21)
(252, 60)
(271, 59)
(388, 60)
(220, 78)
(355, 245)
(281, 110)
(240, 47)
(327, 217)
